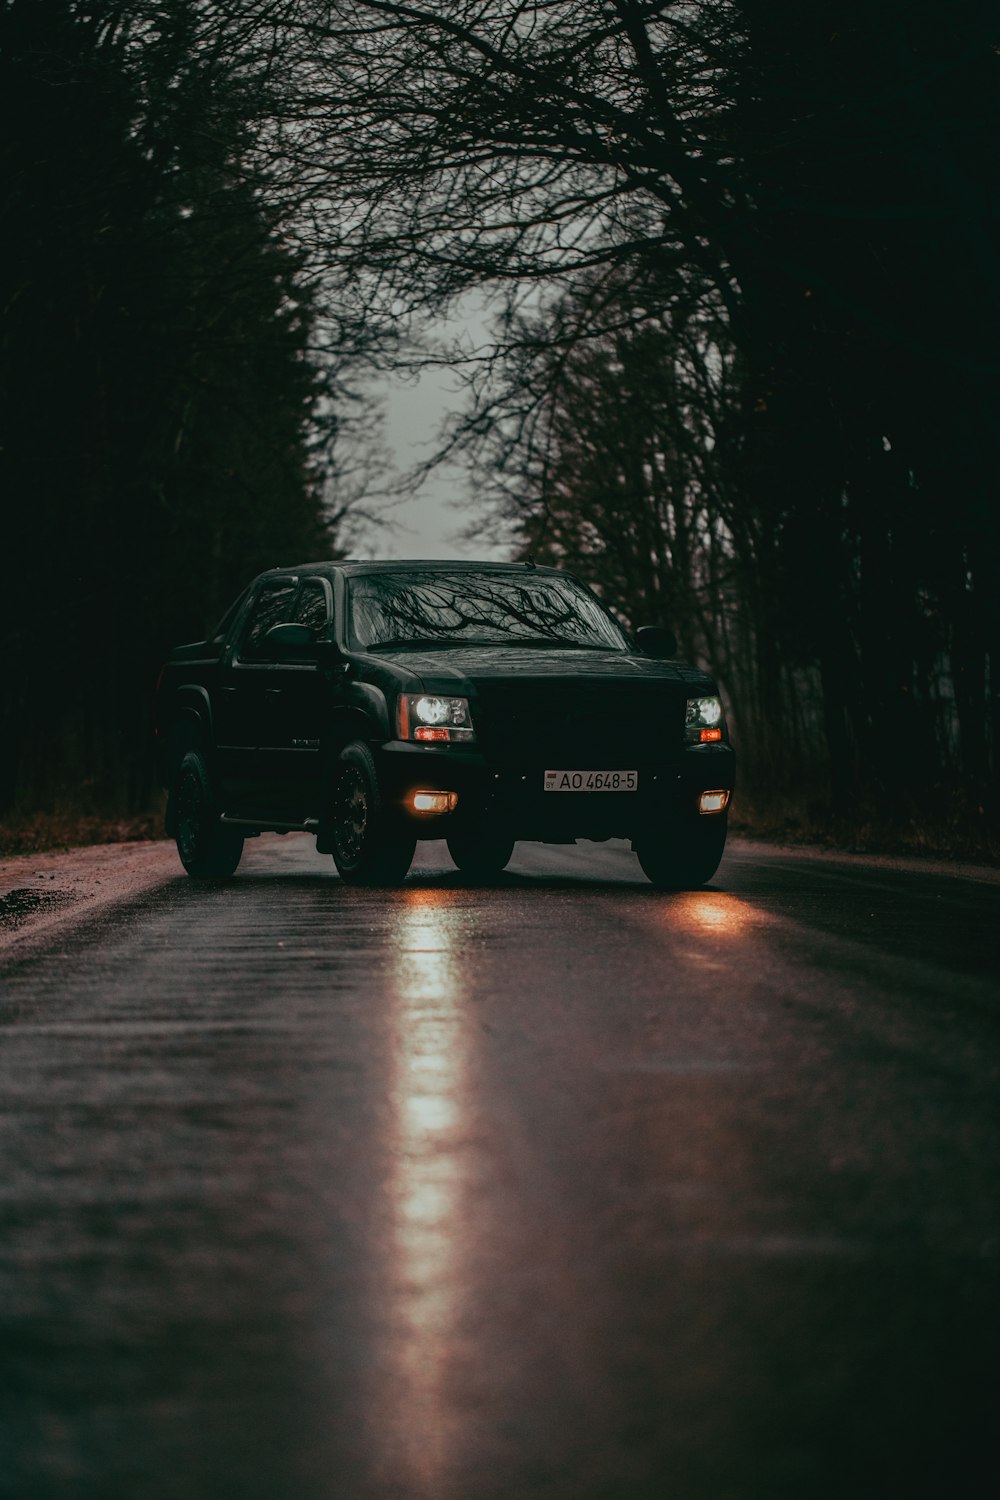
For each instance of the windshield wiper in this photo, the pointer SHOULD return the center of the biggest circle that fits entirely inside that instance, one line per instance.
(409, 640)
(546, 642)
(532, 642)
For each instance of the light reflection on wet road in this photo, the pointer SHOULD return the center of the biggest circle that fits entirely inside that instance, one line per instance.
(556, 1188)
(430, 1095)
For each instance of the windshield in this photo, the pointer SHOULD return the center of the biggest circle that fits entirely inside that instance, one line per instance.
(481, 609)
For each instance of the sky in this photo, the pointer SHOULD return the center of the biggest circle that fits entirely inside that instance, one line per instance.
(431, 522)
(427, 524)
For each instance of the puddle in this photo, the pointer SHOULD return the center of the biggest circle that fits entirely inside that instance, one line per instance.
(18, 905)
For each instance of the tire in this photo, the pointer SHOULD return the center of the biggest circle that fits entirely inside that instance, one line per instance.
(370, 845)
(208, 849)
(683, 856)
(481, 851)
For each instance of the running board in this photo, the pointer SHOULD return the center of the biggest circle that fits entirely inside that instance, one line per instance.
(309, 825)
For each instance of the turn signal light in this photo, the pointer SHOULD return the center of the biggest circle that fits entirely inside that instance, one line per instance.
(708, 735)
(713, 802)
(434, 802)
(423, 733)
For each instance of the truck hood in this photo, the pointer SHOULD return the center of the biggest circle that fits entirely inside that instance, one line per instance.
(463, 669)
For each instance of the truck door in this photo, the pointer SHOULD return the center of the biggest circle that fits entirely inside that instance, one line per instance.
(300, 702)
(247, 713)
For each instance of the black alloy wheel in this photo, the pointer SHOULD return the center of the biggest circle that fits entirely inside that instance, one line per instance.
(370, 845)
(480, 851)
(208, 849)
(683, 855)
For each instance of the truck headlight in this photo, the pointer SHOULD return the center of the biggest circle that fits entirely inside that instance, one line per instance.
(433, 719)
(703, 722)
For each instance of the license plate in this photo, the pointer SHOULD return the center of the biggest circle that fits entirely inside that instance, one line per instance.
(591, 781)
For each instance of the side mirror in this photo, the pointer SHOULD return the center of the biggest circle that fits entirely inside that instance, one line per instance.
(656, 640)
(291, 642)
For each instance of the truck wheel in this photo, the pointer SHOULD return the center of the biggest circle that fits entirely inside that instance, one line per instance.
(682, 856)
(370, 846)
(481, 851)
(208, 849)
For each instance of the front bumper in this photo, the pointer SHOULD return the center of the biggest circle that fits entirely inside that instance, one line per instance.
(513, 794)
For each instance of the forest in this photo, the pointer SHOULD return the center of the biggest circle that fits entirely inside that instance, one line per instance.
(740, 260)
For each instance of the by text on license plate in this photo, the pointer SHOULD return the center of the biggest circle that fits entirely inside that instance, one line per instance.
(591, 781)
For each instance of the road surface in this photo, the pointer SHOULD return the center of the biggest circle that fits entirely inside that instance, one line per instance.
(557, 1188)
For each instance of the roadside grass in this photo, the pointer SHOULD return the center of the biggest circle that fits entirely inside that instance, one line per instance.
(37, 832)
(956, 832)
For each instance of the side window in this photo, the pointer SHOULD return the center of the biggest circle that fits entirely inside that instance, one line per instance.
(222, 629)
(269, 608)
(311, 607)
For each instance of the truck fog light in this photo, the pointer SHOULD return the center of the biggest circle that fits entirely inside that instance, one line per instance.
(434, 802)
(713, 802)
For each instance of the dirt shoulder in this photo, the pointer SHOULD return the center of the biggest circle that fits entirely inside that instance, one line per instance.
(919, 864)
(41, 891)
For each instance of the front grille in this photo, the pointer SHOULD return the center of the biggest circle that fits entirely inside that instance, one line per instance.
(579, 725)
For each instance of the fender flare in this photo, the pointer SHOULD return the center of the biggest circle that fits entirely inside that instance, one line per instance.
(367, 704)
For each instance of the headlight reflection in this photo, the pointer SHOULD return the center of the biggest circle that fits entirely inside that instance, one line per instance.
(428, 1185)
(714, 912)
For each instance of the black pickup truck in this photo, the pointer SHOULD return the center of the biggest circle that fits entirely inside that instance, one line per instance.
(378, 703)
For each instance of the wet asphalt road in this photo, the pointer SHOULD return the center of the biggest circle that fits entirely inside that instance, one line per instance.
(559, 1187)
